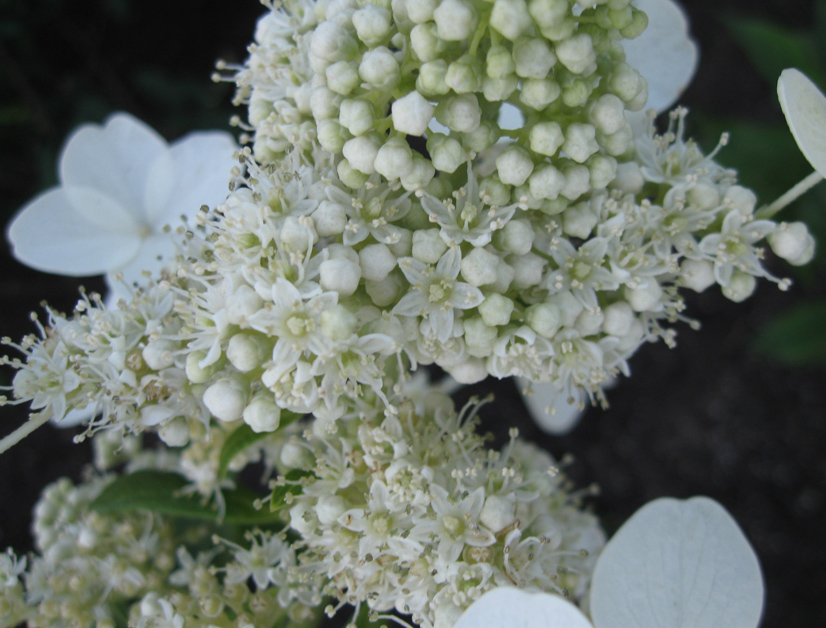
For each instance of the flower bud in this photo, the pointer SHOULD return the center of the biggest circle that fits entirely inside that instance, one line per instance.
(338, 323)
(498, 513)
(533, 58)
(446, 153)
(411, 114)
(544, 319)
(158, 354)
(629, 178)
(329, 218)
(376, 261)
(431, 81)
(460, 113)
(350, 176)
(619, 317)
(515, 237)
(372, 24)
(194, 372)
(469, 371)
(740, 198)
(463, 75)
(697, 274)
(342, 77)
(580, 142)
(793, 242)
(421, 11)
(227, 398)
(294, 456)
(740, 287)
(356, 115)
(420, 174)
(499, 89)
(578, 221)
(569, 307)
(174, 433)
(331, 135)
(603, 171)
(379, 68)
(340, 275)
(499, 62)
(425, 42)
(247, 351)
(332, 42)
(539, 93)
(394, 159)
(589, 322)
(577, 54)
(496, 310)
(528, 270)
(607, 114)
(645, 298)
(514, 165)
(428, 246)
(577, 182)
(625, 82)
(510, 18)
(479, 267)
(298, 233)
(549, 13)
(455, 20)
(546, 138)
(384, 292)
(479, 337)
(361, 152)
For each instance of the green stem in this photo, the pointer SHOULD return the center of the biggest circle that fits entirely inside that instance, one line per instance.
(803, 186)
(21, 432)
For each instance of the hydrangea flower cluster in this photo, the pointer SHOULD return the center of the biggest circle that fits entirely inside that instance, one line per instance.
(413, 513)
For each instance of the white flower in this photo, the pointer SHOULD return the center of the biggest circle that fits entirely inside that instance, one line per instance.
(674, 563)
(120, 185)
(804, 106)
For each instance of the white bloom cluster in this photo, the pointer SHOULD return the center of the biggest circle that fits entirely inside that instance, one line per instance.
(412, 512)
(361, 77)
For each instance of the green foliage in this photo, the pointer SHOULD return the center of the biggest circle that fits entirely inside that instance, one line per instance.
(288, 486)
(163, 492)
(244, 437)
(797, 337)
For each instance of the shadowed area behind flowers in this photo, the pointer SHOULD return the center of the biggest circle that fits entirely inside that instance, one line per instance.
(707, 418)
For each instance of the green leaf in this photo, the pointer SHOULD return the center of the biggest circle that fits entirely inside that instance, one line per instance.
(797, 337)
(290, 484)
(772, 49)
(161, 492)
(242, 438)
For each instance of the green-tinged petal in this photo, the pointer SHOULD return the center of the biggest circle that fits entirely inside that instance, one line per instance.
(804, 106)
(507, 607)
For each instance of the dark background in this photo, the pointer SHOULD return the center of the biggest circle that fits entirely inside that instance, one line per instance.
(711, 417)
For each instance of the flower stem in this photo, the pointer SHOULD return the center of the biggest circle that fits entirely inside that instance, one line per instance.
(21, 432)
(803, 186)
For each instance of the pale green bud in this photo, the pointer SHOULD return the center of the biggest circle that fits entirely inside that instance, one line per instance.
(404, 245)
(603, 171)
(577, 54)
(498, 89)
(456, 20)
(463, 75)
(549, 13)
(577, 93)
(324, 103)
(498, 513)
(227, 398)
(697, 274)
(376, 261)
(479, 337)
(298, 233)
(511, 18)
(638, 24)
(559, 31)
(340, 275)
(356, 115)
(349, 176)
(539, 93)
(329, 218)
(580, 142)
(577, 182)
(331, 42)
(793, 242)
(361, 152)
(431, 81)
(528, 270)
(175, 433)
(546, 138)
(261, 414)
(499, 62)
(496, 310)
(607, 114)
(505, 274)
(515, 237)
(419, 175)
(479, 267)
(158, 354)
(533, 58)
(514, 165)
(331, 135)
(625, 82)
(411, 114)
(493, 191)
(569, 307)
(460, 113)
(246, 351)
(394, 159)
(342, 77)
(482, 138)
(741, 286)
(445, 152)
(546, 182)
(338, 323)
(469, 371)
(579, 220)
(372, 24)
(629, 178)
(589, 322)
(544, 319)
(421, 11)
(428, 246)
(645, 298)
(425, 42)
(740, 198)
(195, 373)
(379, 68)
(385, 292)
(619, 317)
(618, 143)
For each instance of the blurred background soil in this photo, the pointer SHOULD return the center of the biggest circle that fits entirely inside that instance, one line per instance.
(710, 417)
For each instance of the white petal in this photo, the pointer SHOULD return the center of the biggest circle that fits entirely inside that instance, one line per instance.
(199, 174)
(804, 106)
(507, 607)
(50, 234)
(115, 159)
(545, 394)
(678, 564)
(156, 251)
(664, 54)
